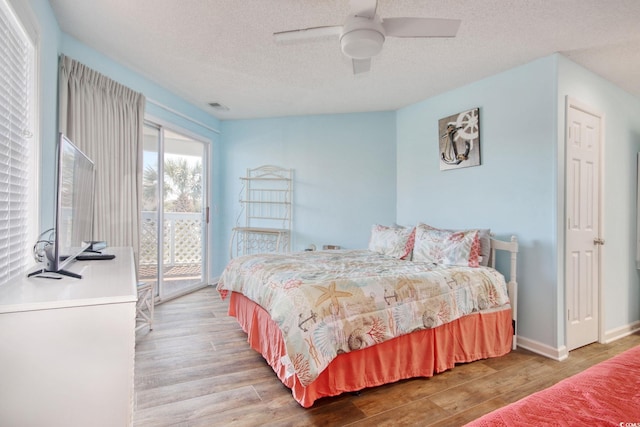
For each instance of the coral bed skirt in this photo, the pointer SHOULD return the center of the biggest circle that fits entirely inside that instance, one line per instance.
(419, 354)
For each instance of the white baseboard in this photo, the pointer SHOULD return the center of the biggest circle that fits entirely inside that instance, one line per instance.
(558, 354)
(621, 332)
(562, 353)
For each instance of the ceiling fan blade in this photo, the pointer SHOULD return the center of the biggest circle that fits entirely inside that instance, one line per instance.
(361, 65)
(364, 8)
(420, 27)
(307, 33)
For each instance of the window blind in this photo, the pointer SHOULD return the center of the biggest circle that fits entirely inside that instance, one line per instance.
(16, 60)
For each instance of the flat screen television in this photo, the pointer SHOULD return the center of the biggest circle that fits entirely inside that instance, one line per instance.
(74, 207)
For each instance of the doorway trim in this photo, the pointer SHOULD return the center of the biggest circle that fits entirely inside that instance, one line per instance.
(163, 124)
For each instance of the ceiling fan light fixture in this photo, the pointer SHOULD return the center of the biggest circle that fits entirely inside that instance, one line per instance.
(361, 43)
(364, 32)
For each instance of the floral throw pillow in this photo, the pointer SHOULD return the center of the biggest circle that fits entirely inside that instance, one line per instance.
(447, 247)
(396, 242)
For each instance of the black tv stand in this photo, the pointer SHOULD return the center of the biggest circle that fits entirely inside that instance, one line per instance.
(62, 272)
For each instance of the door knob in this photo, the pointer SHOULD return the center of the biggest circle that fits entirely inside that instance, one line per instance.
(598, 241)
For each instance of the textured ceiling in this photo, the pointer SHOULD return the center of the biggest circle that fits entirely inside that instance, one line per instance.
(223, 50)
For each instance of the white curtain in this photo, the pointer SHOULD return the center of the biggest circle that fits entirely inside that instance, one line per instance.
(105, 120)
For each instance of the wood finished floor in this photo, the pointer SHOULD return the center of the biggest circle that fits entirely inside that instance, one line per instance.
(196, 369)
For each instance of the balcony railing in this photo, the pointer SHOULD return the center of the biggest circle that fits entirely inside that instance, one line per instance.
(182, 247)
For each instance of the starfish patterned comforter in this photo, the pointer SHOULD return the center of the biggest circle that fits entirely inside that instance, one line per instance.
(330, 302)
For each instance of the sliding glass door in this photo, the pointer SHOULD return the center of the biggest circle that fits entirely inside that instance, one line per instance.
(173, 246)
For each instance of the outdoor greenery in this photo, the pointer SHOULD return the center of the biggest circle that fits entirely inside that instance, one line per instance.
(182, 190)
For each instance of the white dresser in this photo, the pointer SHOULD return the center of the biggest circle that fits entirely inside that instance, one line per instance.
(67, 346)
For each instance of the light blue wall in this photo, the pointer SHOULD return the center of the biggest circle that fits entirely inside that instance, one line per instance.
(513, 192)
(344, 172)
(619, 278)
(519, 188)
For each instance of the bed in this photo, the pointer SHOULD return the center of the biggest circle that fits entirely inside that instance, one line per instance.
(415, 303)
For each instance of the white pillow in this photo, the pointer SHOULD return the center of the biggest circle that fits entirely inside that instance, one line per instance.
(396, 242)
(484, 236)
(447, 247)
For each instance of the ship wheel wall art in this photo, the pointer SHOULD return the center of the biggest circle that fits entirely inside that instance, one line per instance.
(459, 140)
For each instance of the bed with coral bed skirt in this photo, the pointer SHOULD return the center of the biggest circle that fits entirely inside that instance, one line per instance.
(302, 304)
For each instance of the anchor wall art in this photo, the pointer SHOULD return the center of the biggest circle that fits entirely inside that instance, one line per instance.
(459, 140)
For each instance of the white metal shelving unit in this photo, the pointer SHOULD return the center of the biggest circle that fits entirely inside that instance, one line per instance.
(266, 206)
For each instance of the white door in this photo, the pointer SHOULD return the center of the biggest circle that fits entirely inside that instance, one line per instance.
(583, 242)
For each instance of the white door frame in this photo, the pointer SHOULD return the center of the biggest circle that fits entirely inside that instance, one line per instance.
(206, 165)
(574, 103)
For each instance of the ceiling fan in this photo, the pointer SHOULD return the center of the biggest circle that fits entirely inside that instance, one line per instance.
(364, 32)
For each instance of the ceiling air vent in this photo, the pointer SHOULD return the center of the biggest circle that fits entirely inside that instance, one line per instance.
(218, 106)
